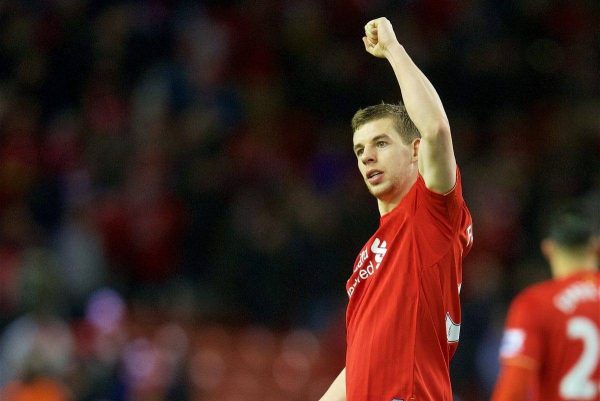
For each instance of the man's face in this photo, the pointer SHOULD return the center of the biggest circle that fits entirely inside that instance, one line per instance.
(387, 165)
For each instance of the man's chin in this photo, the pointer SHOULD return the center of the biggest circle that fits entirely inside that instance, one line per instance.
(378, 191)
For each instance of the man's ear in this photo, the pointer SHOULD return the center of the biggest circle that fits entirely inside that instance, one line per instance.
(415, 148)
(547, 247)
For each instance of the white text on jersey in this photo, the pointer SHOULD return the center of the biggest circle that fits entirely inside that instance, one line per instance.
(379, 250)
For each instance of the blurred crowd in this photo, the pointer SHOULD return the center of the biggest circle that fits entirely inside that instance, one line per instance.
(179, 201)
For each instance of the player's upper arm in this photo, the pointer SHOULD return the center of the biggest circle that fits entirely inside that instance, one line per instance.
(437, 164)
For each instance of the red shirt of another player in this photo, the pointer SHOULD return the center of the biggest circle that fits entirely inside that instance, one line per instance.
(554, 328)
(403, 316)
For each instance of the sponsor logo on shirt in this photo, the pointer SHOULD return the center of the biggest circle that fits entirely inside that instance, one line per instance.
(512, 342)
(365, 267)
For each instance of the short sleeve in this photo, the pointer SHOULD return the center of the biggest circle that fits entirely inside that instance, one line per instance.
(523, 332)
(444, 222)
(448, 207)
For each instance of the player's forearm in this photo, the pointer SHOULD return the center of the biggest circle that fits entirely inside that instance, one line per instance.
(337, 390)
(420, 97)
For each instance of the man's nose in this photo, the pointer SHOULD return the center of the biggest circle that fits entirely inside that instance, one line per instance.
(368, 156)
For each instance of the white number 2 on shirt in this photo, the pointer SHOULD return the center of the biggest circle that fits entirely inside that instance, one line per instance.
(577, 383)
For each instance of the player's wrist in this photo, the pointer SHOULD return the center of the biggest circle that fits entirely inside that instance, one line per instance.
(392, 49)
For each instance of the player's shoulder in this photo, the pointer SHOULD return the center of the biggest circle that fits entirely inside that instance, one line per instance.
(544, 290)
(447, 210)
(536, 293)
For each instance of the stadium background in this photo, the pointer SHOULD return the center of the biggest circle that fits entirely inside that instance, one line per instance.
(179, 202)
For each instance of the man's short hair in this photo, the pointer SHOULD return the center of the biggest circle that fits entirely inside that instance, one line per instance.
(397, 112)
(571, 228)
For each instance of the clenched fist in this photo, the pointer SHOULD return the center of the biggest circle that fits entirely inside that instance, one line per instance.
(380, 37)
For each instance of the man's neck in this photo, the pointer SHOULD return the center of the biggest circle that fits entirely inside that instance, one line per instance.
(564, 267)
(388, 204)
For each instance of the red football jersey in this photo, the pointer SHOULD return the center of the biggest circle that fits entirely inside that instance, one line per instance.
(554, 327)
(403, 316)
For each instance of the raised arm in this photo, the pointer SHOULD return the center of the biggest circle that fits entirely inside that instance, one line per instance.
(437, 164)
